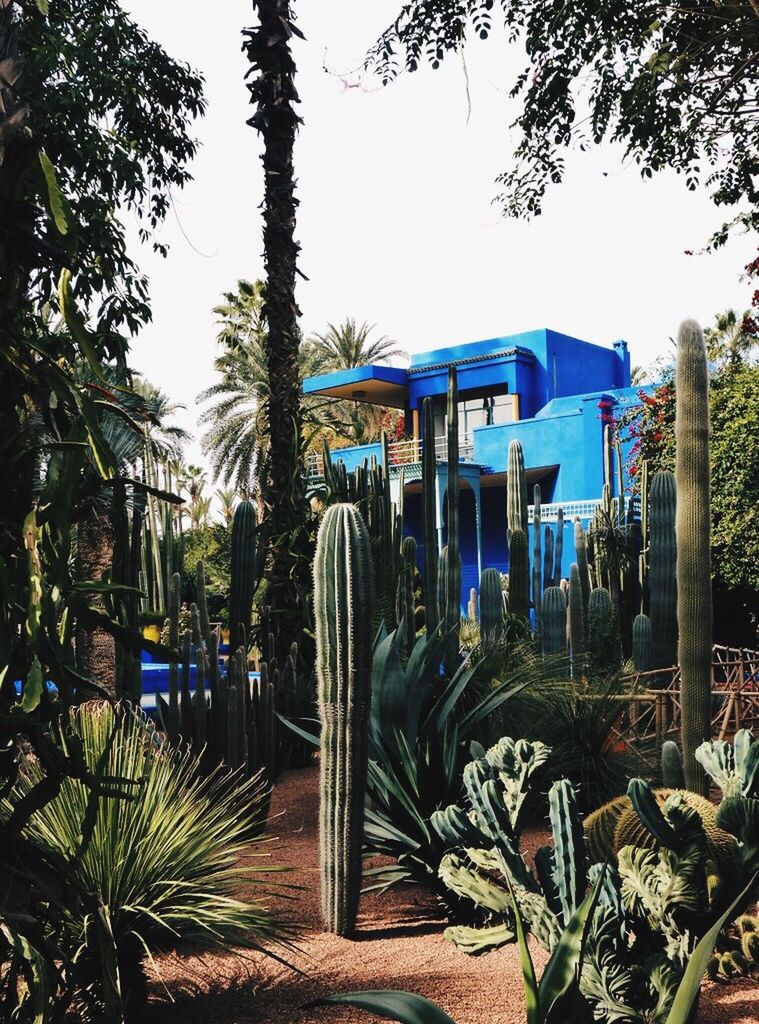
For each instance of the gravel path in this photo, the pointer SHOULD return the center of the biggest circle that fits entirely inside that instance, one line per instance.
(399, 945)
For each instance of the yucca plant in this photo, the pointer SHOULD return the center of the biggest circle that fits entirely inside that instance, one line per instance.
(156, 850)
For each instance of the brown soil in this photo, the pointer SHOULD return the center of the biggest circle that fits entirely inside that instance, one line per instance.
(399, 945)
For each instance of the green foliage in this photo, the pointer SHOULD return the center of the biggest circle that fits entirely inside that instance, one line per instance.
(665, 82)
(139, 894)
(211, 545)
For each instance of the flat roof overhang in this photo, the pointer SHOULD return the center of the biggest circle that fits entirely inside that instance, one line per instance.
(377, 385)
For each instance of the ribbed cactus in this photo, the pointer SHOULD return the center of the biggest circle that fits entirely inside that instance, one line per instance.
(343, 591)
(553, 620)
(429, 503)
(576, 623)
(516, 490)
(243, 573)
(173, 723)
(537, 558)
(662, 568)
(442, 578)
(519, 579)
(569, 847)
(548, 580)
(581, 554)
(602, 634)
(558, 550)
(672, 774)
(453, 603)
(491, 607)
(693, 529)
(405, 601)
(642, 646)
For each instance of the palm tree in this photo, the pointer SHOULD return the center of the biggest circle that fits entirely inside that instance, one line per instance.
(731, 339)
(237, 437)
(347, 346)
(199, 511)
(226, 498)
(157, 411)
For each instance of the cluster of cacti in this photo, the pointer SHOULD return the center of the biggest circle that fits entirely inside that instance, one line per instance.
(343, 593)
(660, 891)
(693, 530)
(737, 951)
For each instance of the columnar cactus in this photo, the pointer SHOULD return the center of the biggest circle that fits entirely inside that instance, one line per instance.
(516, 490)
(405, 602)
(471, 610)
(693, 530)
(603, 634)
(672, 774)
(553, 619)
(491, 607)
(581, 553)
(343, 591)
(243, 572)
(453, 605)
(558, 554)
(537, 558)
(576, 621)
(442, 580)
(662, 581)
(548, 580)
(519, 580)
(429, 502)
(642, 646)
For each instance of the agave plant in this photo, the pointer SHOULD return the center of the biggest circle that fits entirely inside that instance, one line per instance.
(154, 850)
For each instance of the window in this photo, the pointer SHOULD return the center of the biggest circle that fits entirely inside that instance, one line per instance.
(480, 410)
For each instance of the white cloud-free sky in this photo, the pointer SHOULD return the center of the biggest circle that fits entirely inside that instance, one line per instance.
(396, 220)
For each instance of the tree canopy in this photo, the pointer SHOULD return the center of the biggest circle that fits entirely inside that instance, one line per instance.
(675, 84)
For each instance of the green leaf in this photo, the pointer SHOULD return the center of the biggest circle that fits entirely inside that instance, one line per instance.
(34, 685)
(531, 991)
(56, 202)
(43, 7)
(406, 1007)
(697, 963)
(75, 323)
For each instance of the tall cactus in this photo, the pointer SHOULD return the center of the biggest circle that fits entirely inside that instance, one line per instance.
(558, 552)
(576, 622)
(429, 502)
(603, 634)
(537, 558)
(693, 529)
(405, 602)
(343, 590)
(548, 580)
(519, 574)
(516, 490)
(442, 579)
(453, 605)
(581, 553)
(243, 573)
(662, 571)
(553, 619)
(642, 645)
(491, 607)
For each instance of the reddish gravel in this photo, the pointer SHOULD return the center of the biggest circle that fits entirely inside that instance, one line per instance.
(399, 945)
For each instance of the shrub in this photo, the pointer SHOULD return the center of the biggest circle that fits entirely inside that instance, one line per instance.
(153, 847)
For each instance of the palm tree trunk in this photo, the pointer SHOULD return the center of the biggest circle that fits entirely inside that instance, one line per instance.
(273, 92)
(95, 649)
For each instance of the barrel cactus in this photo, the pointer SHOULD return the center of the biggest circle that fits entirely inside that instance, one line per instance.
(343, 593)
(693, 530)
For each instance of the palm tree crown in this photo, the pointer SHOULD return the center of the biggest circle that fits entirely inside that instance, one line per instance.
(731, 339)
(347, 346)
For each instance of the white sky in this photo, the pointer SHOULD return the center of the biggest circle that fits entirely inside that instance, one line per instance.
(396, 222)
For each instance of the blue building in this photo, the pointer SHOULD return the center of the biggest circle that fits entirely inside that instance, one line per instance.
(543, 388)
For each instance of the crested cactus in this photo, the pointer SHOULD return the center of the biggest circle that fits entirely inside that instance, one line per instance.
(576, 622)
(429, 503)
(243, 573)
(662, 567)
(553, 619)
(519, 580)
(491, 607)
(516, 490)
(672, 775)
(642, 645)
(343, 590)
(453, 604)
(693, 530)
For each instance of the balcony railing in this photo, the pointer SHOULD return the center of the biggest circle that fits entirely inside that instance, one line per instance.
(407, 452)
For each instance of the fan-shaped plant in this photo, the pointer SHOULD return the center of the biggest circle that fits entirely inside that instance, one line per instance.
(155, 850)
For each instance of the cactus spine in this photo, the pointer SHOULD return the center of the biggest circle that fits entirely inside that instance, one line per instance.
(519, 579)
(453, 604)
(576, 621)
(553, 620)
(343, 590)
(662, 581)
(243, 573)
(693, 530)
(429, 501)
(491, 607)
(516, 490)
